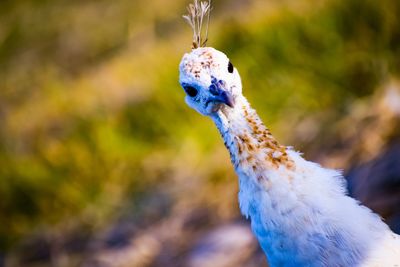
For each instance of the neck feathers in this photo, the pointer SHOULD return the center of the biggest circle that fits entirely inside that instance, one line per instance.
(298, 210)
(249, 142)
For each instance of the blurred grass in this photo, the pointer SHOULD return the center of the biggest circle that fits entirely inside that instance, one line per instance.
(93, 119)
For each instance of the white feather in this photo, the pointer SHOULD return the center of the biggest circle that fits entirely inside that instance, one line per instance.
(300, 212)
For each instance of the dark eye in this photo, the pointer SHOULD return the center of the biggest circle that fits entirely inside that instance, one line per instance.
(190, 90)
(230, 67)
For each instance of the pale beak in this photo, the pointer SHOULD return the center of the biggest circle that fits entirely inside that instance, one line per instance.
(224, 97)
(220, 94)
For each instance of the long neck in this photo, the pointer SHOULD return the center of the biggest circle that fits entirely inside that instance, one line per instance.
(290, 200)
(249, 142)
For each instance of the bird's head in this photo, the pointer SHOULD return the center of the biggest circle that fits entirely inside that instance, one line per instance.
(210, 81)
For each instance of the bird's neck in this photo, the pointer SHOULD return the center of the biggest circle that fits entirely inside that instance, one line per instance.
(259, 160)
(298, 210)
(250, 143)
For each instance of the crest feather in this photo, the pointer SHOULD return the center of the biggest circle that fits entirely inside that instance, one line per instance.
(199, 13)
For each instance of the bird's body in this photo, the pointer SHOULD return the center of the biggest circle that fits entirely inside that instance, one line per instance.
(299, 211)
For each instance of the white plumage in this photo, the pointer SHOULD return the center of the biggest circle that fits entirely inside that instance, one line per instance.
(299, 211)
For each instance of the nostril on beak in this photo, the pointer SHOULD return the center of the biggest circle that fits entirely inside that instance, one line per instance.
(214, 90)
(190, 91)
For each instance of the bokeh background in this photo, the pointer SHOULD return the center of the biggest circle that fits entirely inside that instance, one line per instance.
(103, 164)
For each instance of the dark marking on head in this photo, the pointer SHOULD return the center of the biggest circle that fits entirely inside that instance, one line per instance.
(230, 67)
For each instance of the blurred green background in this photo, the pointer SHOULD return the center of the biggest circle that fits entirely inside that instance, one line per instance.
(99, 154)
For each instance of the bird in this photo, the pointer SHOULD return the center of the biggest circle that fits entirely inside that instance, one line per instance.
(300, 212)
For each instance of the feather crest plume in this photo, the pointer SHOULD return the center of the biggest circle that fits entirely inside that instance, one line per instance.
(198, 14)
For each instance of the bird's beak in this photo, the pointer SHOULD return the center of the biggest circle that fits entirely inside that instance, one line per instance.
(226, 98)
(219, 94)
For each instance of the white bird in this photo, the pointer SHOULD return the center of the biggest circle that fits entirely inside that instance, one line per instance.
(300, 212)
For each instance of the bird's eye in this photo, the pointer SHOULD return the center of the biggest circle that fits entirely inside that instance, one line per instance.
(190, 90)
(230, 67)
